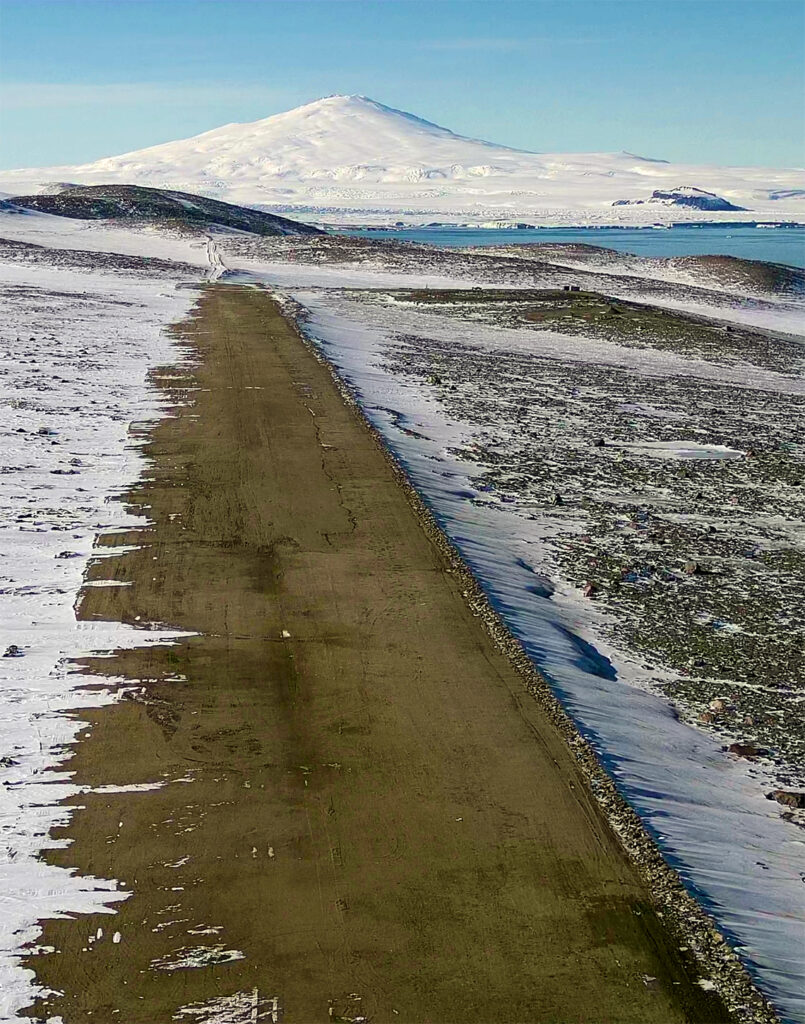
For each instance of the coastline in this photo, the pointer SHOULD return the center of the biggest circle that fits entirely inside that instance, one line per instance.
(766, 222)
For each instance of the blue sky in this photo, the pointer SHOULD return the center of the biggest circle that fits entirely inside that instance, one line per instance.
(721, 81)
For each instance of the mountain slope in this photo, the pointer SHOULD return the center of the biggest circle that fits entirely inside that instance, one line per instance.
(351, 158)
(132, 202)
(340, 137)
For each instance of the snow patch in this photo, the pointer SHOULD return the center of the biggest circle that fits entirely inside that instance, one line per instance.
(76, 348)
(192, 957)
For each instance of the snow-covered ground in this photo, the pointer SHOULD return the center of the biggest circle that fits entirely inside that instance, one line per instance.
(34, 228)
(349, 159)
(708, 810)
(688, 284)
(76, 342)
(78, 335)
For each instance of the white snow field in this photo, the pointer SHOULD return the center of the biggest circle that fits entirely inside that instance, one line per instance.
(77, 341)
(349, 159)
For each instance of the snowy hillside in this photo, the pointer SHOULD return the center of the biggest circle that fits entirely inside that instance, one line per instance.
(155, 206)
(351, 159)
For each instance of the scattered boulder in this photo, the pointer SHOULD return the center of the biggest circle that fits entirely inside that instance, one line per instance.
(787, 798)
(691, 568)
(590, 589)
(747, 750)
(12, 651)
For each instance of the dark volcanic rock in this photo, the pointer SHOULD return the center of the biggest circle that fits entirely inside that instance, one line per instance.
(696, 199)
(787, 798)
(746, 750)
(686, 195)
(132, 202)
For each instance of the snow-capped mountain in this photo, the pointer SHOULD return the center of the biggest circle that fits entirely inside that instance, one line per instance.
(349, 158)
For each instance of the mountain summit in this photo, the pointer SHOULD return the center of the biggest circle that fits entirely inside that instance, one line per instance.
(346, 138)
(350, 158)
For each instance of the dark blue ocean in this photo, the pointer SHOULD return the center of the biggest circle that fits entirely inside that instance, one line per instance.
(775, 245)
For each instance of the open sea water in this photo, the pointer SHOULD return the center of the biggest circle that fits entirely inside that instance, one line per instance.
(774, 245)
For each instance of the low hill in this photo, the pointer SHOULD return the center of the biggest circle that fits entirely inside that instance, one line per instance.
(684, 195)
(138, 203)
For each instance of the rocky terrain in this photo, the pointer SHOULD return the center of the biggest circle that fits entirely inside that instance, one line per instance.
(677, 507)
(148, 205)
(685, 196)
(614, 447)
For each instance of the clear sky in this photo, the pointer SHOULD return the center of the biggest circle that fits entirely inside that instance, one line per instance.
(719, 81)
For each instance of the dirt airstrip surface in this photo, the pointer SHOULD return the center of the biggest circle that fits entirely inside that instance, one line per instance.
(365, 815)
